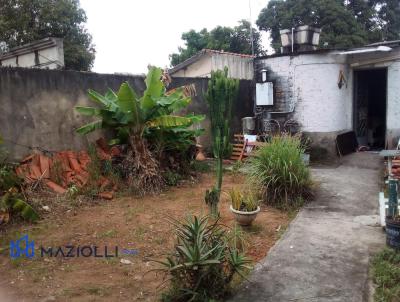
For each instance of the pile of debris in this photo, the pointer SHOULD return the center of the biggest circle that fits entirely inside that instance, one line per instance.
(61, 170)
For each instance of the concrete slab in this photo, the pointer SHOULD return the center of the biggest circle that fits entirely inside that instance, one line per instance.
(325, 254)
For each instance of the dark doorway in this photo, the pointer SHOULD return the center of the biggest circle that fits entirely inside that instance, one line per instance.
(370, 89)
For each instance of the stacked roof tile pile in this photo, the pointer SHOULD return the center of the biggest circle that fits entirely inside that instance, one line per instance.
(66, 168)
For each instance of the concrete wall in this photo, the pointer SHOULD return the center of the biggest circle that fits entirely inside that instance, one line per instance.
(393, 103)
(49, 55)
(38, 107)
(238, 67)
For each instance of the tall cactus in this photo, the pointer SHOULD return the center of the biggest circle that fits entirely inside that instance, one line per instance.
(221, 93)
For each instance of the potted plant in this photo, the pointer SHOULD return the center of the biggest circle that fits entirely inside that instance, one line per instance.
(244, 207)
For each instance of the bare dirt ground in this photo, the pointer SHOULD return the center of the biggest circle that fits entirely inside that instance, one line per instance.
(132, 223)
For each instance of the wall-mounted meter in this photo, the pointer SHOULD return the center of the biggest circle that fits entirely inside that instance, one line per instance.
(264, 94)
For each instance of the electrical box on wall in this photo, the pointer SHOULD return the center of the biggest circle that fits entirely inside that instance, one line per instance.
(264, 94)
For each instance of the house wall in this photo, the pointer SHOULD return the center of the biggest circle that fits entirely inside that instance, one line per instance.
(51, 57)
(306, 87)
(391, 61)
(198, 69)
(393, 105)
(238, 67)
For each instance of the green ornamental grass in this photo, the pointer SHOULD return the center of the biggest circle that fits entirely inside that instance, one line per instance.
(278, 171)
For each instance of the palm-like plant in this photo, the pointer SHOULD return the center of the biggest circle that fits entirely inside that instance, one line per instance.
(132, 116)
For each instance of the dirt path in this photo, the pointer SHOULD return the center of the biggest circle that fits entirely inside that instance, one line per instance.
(136, 224)
(325, 254)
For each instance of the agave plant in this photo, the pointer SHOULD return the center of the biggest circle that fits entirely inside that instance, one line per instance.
(203, 262)
(132, 117)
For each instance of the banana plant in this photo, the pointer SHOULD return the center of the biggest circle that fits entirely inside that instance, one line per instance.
(132, 117)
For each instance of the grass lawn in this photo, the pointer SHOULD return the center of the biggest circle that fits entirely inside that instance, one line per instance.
(131, 223)
(386, 275)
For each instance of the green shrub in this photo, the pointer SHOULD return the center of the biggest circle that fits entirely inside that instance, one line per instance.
(386, 275)
(200, 166)
(171, 178)
(203, 263)
(11, 201)
(278, 170)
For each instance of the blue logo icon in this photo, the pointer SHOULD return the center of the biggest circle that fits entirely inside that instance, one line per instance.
(21, 247)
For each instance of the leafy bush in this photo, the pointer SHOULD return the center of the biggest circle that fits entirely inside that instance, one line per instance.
(200, 166)
(171, 178)
(386, 275)
(280, 173)
(11, 201)
(203, 262)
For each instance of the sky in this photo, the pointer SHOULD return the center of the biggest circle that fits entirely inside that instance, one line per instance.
(130, 34)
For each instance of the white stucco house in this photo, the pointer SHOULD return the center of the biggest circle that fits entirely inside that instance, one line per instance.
(47, 53)
(331, 91)
(240, 66)
(326, 91)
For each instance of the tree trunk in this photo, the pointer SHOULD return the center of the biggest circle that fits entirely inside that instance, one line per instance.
(144, 171)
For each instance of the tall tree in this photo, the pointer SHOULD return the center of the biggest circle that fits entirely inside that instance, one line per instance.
(24, 21)
(236, 39)
(345, 23)
(389, 19)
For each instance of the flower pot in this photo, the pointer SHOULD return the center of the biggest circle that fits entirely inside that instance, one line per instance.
(244, 218)
(393, 233)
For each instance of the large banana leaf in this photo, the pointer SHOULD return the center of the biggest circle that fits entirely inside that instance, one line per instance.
(90, 127)
(98, 98)
(168, 121)
(88, 111)
(195, 118)
(127, 99)
(154, 89)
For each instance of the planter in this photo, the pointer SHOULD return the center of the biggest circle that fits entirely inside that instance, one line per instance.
(393, 233)
(244, 218)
